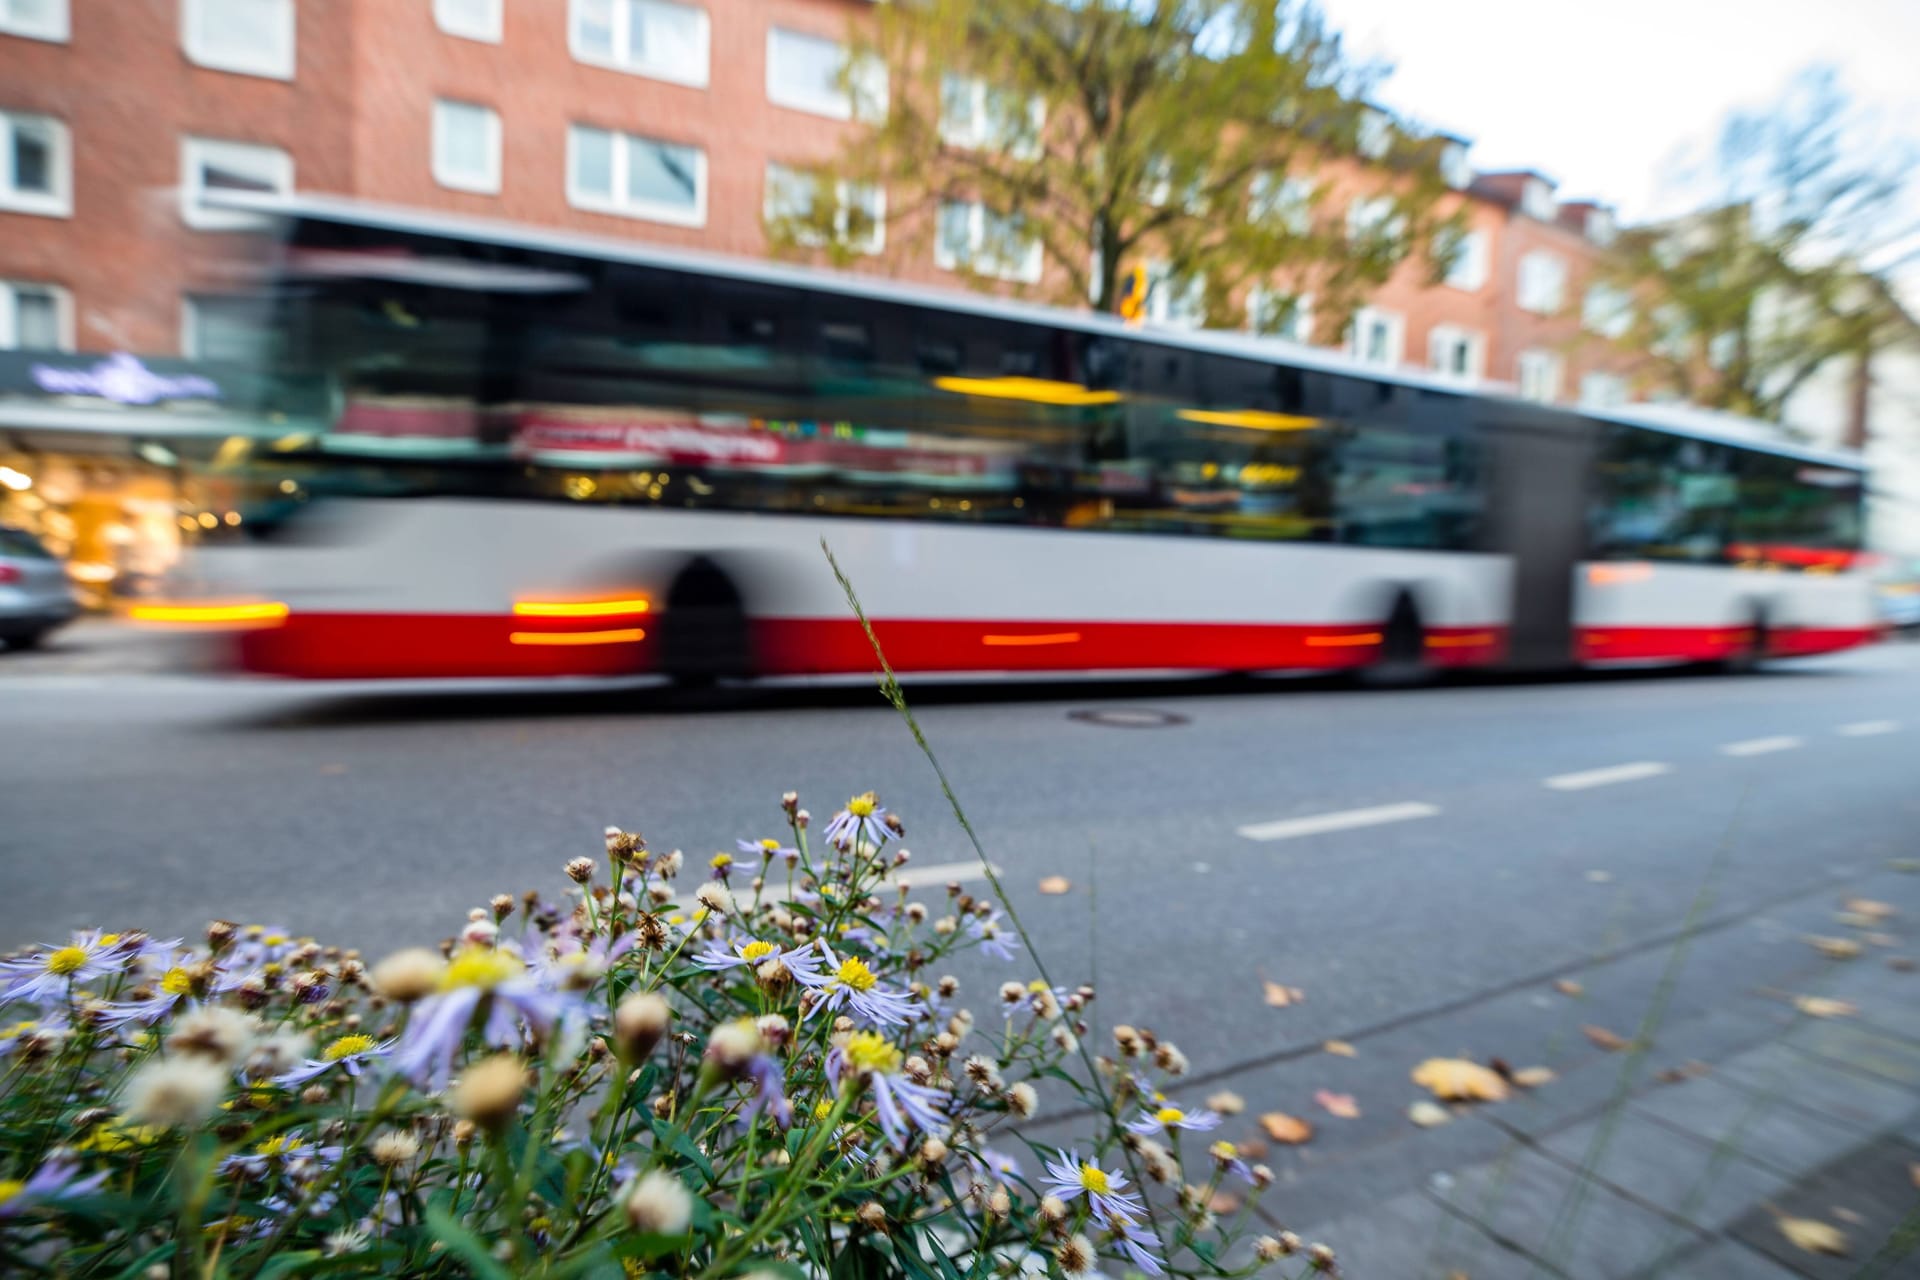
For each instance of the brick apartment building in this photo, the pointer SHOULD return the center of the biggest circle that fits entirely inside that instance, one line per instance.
(662, 120)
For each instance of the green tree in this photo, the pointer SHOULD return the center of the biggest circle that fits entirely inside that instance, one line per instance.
(1213, 138)
(1786, 266)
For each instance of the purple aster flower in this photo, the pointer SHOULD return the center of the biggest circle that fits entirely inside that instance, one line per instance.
(769, 1093)
(993, 937)
(1135, 1241)
(47, 976)
(351, 1053)
(32, 1030)
(279, 1151)
(768, 850)
(749, 952)
(478, 977)
(852, 985)
(1105, 1189)
(58, 1179)
(899, 1104)
(862, 821)
(259, 944)
(1159, 1119)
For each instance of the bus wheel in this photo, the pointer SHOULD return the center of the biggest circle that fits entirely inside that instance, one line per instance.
(704, 634)
(1402, 659)
(1754, 652)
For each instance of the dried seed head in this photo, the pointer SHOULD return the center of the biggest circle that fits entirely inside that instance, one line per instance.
(715, 896)
(1262, 1176)
(945, 926)
(1226, 1102)
(1169, 1059)
(409, 975)
(396, 1148)
(580, 870)
(872, 1215)
(220, 935)
(659, 1204)
(1012, 993)
(1023, 1100)
(945, 1043)
(1322, 1256)
(984, 1072)
(1052, 1210)
(789, 802)
(1075, 1255)
(933, 1153)
(773, 1028)
(1267, 1249)
(489, 1091)
(214, 1032)
(314, 1094)
(774, 976)
(999, 1203)
(638, 1023)
(733, 1045)
(1128, 1040)
(502, 904)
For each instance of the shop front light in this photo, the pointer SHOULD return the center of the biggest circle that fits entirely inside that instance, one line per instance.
(1032, 390)
(18, 481)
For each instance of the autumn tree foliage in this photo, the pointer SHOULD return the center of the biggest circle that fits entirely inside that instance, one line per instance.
(1055, 144)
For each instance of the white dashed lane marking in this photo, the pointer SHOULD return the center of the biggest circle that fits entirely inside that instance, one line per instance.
(1762, 746)
(1344, 820)
(1868, 728)
(1608, 776)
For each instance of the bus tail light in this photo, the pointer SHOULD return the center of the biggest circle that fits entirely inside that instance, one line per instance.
(629, 607)
(228, 615)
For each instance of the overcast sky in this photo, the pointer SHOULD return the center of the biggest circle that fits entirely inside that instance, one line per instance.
(1605, 95)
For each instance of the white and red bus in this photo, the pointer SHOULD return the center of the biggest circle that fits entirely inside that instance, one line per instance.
(499, 451)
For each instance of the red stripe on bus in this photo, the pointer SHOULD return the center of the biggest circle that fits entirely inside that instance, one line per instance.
(1603, 644)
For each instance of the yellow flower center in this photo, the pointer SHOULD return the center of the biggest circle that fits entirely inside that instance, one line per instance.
(481, 967)
(9, 1188)
(1224, 1151)
(279, 1145)
(346, 1046)
(109, 939)
(771, 846)
(255, 930)
(822, 1109)
(121, 1137)
(853, 972)
(1169, 1115)
(720, 861)
(19, 1029)
(1036, 986)
(66, 960)
(275, 939)
(1094, 1180)
(754, 952)
(862, 806)
(176, 982)
(869, 1051)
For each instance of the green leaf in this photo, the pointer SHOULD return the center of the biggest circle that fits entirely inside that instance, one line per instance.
(286, 1264)
(678, 1140)
(464, 1244)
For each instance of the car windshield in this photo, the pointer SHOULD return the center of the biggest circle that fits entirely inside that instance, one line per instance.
(18, 542)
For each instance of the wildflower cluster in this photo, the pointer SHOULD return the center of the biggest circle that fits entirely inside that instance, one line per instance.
(769, 1073)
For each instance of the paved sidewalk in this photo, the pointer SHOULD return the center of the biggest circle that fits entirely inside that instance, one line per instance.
(98, 646)
(1677, 1164)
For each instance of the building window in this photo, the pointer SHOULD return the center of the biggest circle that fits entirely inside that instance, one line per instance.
(225, 330)
(1543, 283)
(1536, 200)
(1454, 169)
(971, 237)
(1375, 136)
(1377, 337)
(252, 37)
(1285, 202)
(36, 19)
(1539, 376)
(974, 113)
(1601, 227)
(210, 169)
(1607, 310)
(1454, 352)
(636, 177)
(804, 72)
(1175, 301)
(1470, 262)
(466, 146)
(819, 210)
(35, 317)
(656, 38)
(1603, 390)
(1374, 218)
(1279, 314)
(36, 165)
(470, 19)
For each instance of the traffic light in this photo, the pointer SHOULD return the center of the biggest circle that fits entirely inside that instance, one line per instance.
(1133, 295)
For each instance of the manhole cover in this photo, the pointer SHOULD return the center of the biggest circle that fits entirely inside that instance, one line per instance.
(1129, 719)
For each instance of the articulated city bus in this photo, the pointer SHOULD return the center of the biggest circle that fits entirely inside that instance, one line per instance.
(499, 451)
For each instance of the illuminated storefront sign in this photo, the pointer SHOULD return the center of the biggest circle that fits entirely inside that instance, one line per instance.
(123, 379)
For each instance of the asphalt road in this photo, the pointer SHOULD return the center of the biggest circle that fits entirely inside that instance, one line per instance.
(1415, 849)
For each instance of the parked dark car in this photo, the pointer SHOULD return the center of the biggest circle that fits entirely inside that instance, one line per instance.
(35, 595)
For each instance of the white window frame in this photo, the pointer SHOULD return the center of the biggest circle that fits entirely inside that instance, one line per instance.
(1531, 287)
(1396, 324)
(1455, 170)
(1536, 200)
(1449, 338)
(1184, 309)
(694, 77)
(57, 28)
(276, 64)
(866, 98)
(451, 17)
(1026, 271)
(1371, 215)
(57, 203)
(620, 205)
(977, 133)
(1473, 264)
(1600, 389)
(1606, 310)
(1302, 314)
(9, 313)
(195, 152)
(1546, 365)
(1602, 228)
(487, 183)
(845, 197)
(1373, 137)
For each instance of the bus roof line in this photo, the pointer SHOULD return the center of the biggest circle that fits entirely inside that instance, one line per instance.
(1670, 419)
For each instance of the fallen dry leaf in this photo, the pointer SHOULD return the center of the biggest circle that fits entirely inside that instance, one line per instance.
(1872, 908)
(1340, 1048)
(1603, 1038)
(1913, 1171)
(1534, 1077)
(1849, 1217)
(1901, 964)
(1685, 1071)
(1835, 948)
(1428, 1115)
(1854, 920)
(1281, 1127)
(1824, 1007)
(1909, 865)
(1252, 1148)
(1224, 1202)
(1226, 1102)
(1568, 987)
(1460, 1080)
(1811, 1235)
(1338, 1104)
(1055, 884)
(1882, 940)
(1281, 996)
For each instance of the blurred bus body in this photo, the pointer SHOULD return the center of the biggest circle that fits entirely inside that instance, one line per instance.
(499, 451)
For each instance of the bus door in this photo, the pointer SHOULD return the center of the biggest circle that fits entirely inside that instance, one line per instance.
(1537, 514)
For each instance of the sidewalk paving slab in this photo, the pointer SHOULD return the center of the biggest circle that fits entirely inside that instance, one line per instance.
(1818, 1084)
(1703, 1183)
(1872, 1184)
(1311, 1187)
(1721, 1260)
(1415, 1237)
(1760, 1127)
(1529, 1202)
(1861, 1050)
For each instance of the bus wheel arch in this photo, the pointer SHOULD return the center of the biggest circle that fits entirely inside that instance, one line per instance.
(704, 631)
(1401, 658)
